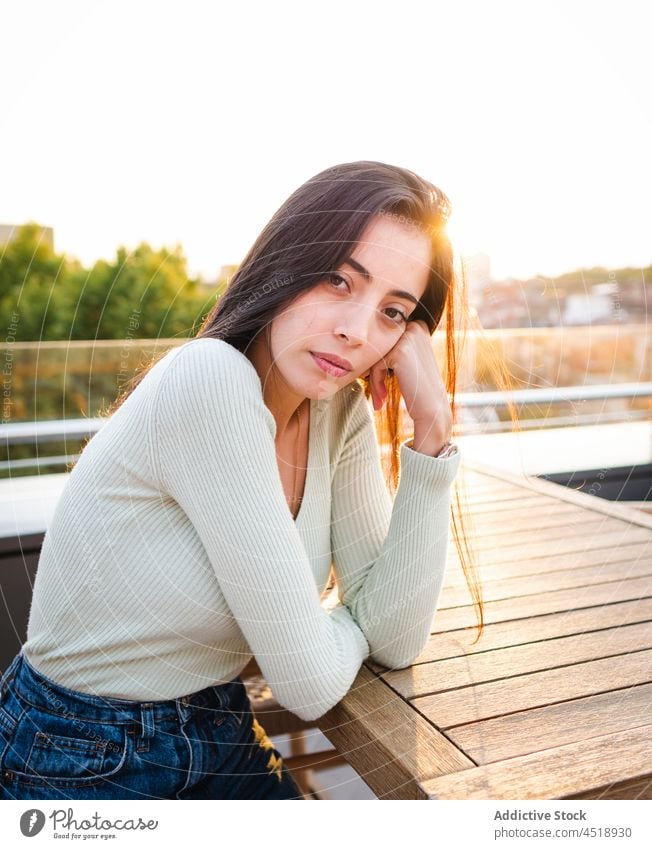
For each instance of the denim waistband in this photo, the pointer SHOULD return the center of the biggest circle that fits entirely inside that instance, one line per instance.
(38, 690)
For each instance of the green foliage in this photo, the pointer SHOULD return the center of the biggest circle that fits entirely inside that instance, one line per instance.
(144, 293)
(31, 276)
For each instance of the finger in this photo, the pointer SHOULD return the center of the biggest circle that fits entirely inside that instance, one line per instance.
(369, 378)
(377, 381)
(381, 391)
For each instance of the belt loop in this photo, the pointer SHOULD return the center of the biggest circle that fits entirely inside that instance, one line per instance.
(184, 709)
(146, 727)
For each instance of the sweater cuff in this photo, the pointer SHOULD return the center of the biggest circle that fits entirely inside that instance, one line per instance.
(427, 470)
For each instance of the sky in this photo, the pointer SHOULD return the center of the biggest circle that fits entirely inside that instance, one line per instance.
(191, 122)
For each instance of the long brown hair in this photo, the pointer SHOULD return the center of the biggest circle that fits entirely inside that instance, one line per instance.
(309, 236)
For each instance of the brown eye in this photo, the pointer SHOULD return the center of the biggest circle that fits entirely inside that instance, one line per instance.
(336, 279)
(402, 318)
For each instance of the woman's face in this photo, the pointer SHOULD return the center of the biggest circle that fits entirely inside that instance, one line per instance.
(357, 314)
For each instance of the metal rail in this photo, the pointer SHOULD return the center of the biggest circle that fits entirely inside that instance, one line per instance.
(74, 430)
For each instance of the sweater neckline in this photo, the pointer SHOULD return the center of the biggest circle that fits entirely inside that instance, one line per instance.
(308, 481)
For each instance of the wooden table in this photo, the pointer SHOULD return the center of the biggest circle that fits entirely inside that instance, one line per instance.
(554, 700)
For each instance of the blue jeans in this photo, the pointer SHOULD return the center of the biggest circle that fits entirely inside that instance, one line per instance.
(57, 743)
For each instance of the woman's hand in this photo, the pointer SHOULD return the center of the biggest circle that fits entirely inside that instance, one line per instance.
(413, 362)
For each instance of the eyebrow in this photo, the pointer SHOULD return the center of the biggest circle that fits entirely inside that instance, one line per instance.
(398, 293)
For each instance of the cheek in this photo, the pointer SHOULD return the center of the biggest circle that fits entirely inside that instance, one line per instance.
(293, 327)
(309, 317)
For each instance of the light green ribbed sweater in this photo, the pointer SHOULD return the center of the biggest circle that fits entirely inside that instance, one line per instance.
(172, 555)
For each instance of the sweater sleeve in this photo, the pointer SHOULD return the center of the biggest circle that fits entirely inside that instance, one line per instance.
(389, 560)
(215, 456)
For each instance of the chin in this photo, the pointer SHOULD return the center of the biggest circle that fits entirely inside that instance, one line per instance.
(323, 389)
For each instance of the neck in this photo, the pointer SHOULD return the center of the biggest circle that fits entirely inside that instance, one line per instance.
(279, 399)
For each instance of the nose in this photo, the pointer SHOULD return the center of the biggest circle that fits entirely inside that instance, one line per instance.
(353, 323)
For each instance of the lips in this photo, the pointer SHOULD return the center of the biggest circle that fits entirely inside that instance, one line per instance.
(334, 359)
(331, 366)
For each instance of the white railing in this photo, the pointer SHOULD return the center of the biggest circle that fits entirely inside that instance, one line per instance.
(520, 397)
(42, 433)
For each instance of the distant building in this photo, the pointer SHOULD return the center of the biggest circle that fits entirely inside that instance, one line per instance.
(10, 231)
(223, 277)
(587, 308)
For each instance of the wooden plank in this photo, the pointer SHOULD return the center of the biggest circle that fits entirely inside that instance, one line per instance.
(494, 492)
(520, 631)
(551, 602)
(540, 486)
(557, 580)
(427, 678)
(476, 477)
(537, 689)
(590, 523)
(454, 576)
(556, 773)
(506, 520)
(542, 546)
(544, 505)
(473, 481)
(510, 497)
(553, 515)
(483, 481)
(544, 728)
(531, 502)
(640, 789)
(386, 741)
(640, 505)
(488, 506)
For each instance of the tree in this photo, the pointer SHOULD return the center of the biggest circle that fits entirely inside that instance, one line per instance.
(144, 293)
(32, 279)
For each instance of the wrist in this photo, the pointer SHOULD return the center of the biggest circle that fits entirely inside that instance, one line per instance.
(432, 431)
(425, 442)
(439, 423)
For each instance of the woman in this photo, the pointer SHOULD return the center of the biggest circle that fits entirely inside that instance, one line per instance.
(199, 526)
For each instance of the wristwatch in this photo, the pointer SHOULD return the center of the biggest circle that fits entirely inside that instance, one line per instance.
(447, 450)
